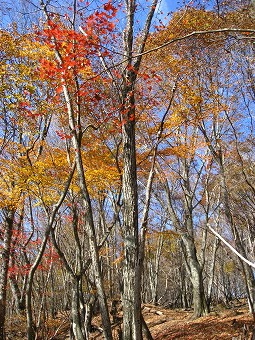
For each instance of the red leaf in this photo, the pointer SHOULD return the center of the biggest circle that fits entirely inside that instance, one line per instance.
(63, 135)
(24, 104)
(109, 7)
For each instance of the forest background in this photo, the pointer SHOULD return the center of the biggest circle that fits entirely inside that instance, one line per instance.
(126, 160)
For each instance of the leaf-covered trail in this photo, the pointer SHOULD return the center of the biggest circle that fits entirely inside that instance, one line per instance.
(228, 324)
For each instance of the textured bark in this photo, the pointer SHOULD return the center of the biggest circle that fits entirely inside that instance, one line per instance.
(18, 295)
(249, 279)
(31, 331)
(133, 251)
(5, 257)
(186, 230)
(196, 276)
(90, 227)
(77, 322)
(89, 313)
(132, 327)
(211, 272)
(146, 330)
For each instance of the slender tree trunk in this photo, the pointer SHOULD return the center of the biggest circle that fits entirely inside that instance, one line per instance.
(5, 257)
(196, 277)
(19, 296)
(247, 270)
(31, 327)
(250, 286)
(132, 325)
(184, 298)
(51, 219)
(90, 227)
(211, 272)
(186, 230)
(154, 275)
(77, 322)
(133, 251)
(218, 155)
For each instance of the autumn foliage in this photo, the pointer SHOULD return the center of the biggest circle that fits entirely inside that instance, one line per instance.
(123, 152)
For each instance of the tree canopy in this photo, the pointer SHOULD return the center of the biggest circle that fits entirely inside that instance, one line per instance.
(126, 139)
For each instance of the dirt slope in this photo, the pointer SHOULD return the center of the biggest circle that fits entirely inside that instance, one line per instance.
(164, 324)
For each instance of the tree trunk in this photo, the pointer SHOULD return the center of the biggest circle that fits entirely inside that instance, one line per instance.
(30, 321)
(133, 251)
(89, 306)
(186, 229)
(154, 270)
(211, 272)
(77, 322)
(196, 277)
(250, 286)
(218, 155)
(132, 326)
(92, 239)
(86, 201)
(19, 296)
(5, 257)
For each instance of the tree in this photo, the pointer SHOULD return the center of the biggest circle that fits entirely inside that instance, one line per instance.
(132, 262)
(106, 126)
(195, 102)
(17, 66)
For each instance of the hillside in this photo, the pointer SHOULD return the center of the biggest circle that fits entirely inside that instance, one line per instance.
(229, 324)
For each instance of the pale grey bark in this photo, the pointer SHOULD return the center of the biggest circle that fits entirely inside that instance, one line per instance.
(212, 271)
(154, 272)
(186, 230)
(77, 325)
(18, 295)
(31, 331)
(196, 276)
(218, 154)
(90, 227)
(74, 117)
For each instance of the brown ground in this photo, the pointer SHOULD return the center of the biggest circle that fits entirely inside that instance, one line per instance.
(165, 324)
(228, 324)
(225, 325)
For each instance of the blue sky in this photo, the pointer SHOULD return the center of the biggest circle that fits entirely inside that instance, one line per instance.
(168, 6)
(10, 10)
(164, 5)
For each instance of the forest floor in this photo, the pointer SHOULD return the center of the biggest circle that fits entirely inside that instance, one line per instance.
(222, 324)
(233, 323)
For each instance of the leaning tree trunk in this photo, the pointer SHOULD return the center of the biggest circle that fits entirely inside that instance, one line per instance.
(31, 331)
(74, 123)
